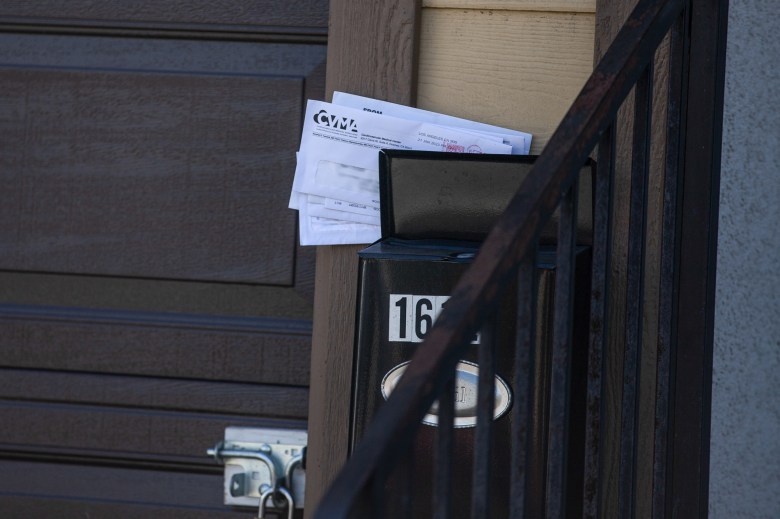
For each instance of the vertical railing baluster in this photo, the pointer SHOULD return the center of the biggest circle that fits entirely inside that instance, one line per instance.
(602, 211)
(442, 484)
(560, 376)
(695, 266)
(377, 505)
(634, 293)
(404, 478)
(675, 142)
(522, 412)
(399, 477)
(483, 436)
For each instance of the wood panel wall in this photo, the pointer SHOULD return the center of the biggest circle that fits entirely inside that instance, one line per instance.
(372, 50)
(610, 16)
(152, 290)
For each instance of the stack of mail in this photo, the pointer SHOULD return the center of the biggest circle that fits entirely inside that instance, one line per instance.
(336, 186)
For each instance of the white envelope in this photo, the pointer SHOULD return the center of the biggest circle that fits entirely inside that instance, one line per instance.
(315, 230)
(352, 207)
(334, 209)
(520, 141)
(339, 150)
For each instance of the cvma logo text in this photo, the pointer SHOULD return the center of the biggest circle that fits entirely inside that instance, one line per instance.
(323, 118)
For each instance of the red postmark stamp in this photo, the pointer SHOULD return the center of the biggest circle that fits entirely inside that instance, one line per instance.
(474, 149)
(452, 148)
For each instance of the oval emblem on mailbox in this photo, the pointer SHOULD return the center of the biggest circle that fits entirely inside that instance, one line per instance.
(466, 377)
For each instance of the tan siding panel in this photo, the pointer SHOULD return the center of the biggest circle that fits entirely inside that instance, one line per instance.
(517, 69)
(569, 6)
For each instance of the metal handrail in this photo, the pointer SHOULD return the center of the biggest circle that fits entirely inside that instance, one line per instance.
(511, 240)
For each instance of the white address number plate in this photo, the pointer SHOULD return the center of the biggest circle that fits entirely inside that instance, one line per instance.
(412, 316)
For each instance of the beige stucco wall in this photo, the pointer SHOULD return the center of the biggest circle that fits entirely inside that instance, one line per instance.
(745, 446)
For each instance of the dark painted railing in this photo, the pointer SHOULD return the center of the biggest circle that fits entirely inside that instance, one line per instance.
(507, 259)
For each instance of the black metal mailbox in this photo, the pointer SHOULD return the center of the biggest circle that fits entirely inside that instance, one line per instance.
(430, 235)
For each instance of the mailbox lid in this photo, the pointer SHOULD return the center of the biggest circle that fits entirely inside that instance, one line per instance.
(450, 251)
(461, 195)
